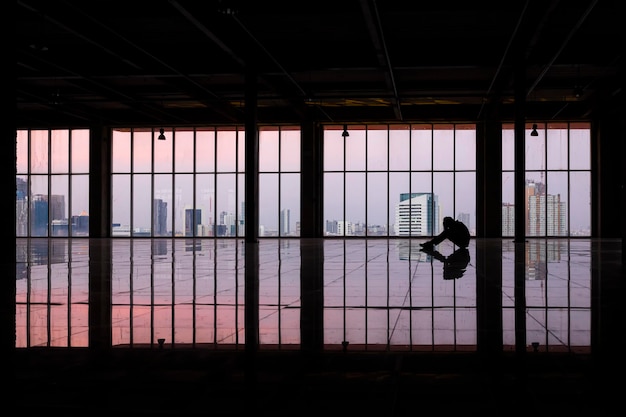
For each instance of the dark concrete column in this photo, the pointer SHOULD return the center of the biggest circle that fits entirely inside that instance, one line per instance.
(9, 170)
(520, 202)
(622, 141)
(100, 297)
(489, 179)
(608, 316)
(100, 294)
(100, 182)
(312, 295)
(311, 222)
(489, 297)
(607, 186)
(251, 284)
(252, 159)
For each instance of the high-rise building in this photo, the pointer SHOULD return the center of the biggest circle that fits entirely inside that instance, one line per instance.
(508, 219)
(545, 213)
(417, 214)
(39, 215)
(193, 218)
(284, 222)
(160, 217)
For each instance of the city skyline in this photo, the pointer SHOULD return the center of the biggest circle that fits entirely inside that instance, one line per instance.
(360, 183)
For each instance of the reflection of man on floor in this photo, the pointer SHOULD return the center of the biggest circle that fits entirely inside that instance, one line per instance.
(454, 266)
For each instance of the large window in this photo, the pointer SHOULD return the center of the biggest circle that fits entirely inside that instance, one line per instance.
(398, 180)
(191, 183)
(279, 181)
(557, 180)
(52, 183)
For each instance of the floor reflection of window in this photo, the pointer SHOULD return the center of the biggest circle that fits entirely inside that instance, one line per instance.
(389, 295)
(279, 293)
(51, 300)
(376, 294)
(558, 295)
(186, 291)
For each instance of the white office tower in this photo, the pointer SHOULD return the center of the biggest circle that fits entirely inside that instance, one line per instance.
(417, 214)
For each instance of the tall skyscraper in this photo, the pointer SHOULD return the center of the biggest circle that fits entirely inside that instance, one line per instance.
(546, 214)
(417, 214)
(160, 217)
(284, 222)
(508, 219)
(39, 215)
(192, 222)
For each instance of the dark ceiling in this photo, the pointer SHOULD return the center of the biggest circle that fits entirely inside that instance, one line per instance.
(160, 62)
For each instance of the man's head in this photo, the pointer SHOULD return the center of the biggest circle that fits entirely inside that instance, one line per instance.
(448, 221)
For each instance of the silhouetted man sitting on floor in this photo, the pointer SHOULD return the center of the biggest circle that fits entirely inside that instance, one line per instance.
(453, 230)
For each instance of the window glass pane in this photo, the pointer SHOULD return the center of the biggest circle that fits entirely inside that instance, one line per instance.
(535, 148)
(377, 148)
(163, 206)
(60, 144)
(241, 151)
(241, 206)
(22, 197)
(205, 202)
(443, 203)
(120, 205)
(187, 217)
(80, 205)
(226, 151)
(205, 150)
(39, 205)
(398, 185)
(355, 149)
(142, 205)
(290, 204)
(399, 147)
(556, 204)
(377, 204)
(355, 205)
(508, 148)
(422, 210)
(80, 151)
(268, 150)
(535, 192)
(57, 204)
(580, 147)
(443, 147)
(121, 151)
(333, 149)
(22, 151)
(556, 143)
(226, 204)
(39, 151)
(333, 202)
(268, 204)
(421, 147)
(163, 151)
(465, 199)
(580, 203)
(508, 204)
(142, 151)
(290, 150)
(465, 147)
(183, 143)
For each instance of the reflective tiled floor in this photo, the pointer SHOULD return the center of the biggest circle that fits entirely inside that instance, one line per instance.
(283, 327)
